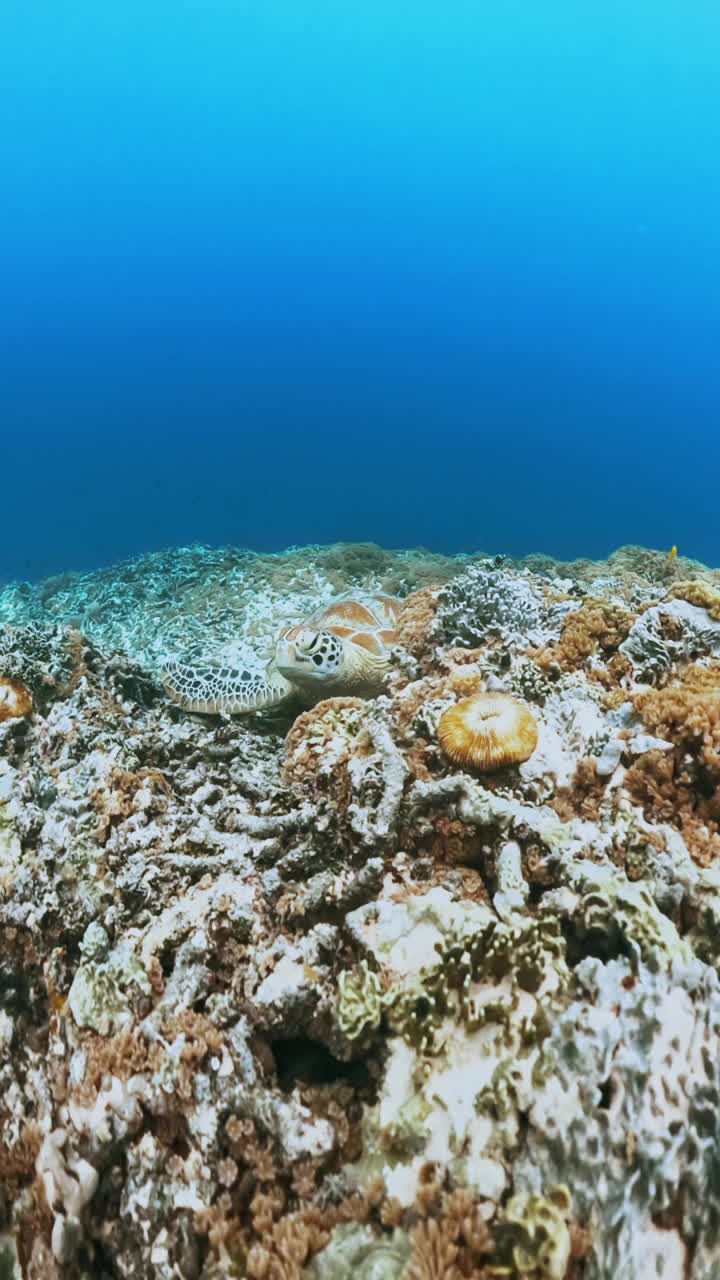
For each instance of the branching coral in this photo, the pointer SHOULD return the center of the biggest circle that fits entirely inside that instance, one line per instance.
(378, 773)
(683, 785)
(598, 626)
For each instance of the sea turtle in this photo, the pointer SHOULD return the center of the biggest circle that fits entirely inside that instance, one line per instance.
(343, 648)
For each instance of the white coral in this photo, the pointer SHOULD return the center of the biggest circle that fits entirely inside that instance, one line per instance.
(70, 1184)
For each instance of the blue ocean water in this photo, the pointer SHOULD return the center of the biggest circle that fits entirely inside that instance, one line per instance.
(415, 272)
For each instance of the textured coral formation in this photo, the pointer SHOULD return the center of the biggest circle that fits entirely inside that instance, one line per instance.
(43, 658)
(302, 998)
(319, 746)
(698, 593)
(598, 626)
(488, 731)
(681, 783)
(15, 699)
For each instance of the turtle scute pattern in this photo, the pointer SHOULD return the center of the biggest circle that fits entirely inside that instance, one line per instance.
(369, 623)
(343, 647)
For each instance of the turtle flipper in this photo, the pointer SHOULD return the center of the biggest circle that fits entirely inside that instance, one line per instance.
(211, 690)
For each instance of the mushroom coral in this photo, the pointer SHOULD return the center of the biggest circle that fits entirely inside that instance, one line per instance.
(487, 731)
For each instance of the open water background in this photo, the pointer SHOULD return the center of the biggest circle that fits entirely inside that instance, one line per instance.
(295, 271)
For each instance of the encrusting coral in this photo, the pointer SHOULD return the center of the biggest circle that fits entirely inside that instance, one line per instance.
(537, 1229)
(309, 996)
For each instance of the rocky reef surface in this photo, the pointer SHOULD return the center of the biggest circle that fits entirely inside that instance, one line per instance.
(291, 995)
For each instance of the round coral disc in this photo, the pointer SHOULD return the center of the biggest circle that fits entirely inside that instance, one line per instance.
(487, 731)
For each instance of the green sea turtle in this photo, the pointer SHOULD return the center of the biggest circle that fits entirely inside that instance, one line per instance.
(343, 648)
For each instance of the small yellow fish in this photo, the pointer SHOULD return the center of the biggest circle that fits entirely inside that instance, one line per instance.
(672, 554)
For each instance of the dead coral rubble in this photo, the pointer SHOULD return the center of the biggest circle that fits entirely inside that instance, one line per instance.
(300, 1001)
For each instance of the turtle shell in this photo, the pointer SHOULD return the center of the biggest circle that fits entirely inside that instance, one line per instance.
(370, 622)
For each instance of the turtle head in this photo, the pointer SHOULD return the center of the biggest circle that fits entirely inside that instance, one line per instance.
(308, 657)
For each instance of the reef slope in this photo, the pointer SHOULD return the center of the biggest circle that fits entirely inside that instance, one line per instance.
(293, 995)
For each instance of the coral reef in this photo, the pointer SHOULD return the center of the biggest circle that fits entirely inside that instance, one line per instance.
(303, 994)
(496, 604)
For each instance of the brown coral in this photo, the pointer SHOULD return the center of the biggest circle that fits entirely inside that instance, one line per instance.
(451, 1246)
(455, 842)
(417, 621)
(462, 680)
(584, 797)
(129, 1053)
(117, 796)
(318, 748)
(488, 731)
(596, 625)
(668, 792)
(683, 786)
(412, 727)
(687, 713)
(434, 1253)
(288, 1244)
(15, 699)
(698, 593)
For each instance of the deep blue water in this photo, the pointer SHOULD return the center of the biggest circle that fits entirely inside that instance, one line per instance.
(286, 271)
